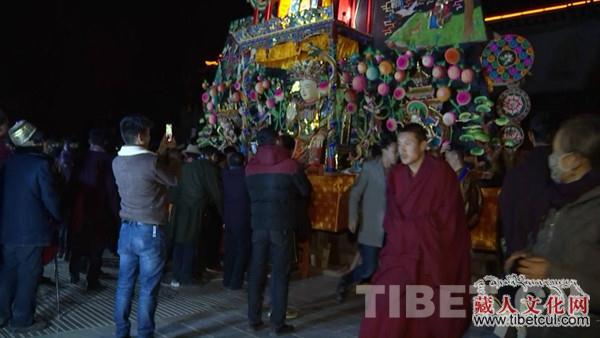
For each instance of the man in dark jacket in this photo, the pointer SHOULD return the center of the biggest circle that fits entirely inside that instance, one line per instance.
(274, 180)
(212, 223)
(236, 217)
(29, 203)
(303, 227)
(524, 197)
(198, 189)
(142, 179)
(95, 209)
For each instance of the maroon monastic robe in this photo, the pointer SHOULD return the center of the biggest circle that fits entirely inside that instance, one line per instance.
(427, 243)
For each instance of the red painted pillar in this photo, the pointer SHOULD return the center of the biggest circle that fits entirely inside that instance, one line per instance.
(369, 15)
(268, 10)
(352, 14)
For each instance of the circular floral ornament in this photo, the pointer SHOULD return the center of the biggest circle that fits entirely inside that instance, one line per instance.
(513, 103)
(512, 136)
(417, 108)
(507, 59)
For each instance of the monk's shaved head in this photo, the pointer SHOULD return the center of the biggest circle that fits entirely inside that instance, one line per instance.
(417, 130)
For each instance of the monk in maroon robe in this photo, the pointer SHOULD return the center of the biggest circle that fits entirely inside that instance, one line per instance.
(427, 243)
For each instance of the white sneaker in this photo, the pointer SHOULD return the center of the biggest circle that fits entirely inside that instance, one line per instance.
(289, 314)
(175, 284)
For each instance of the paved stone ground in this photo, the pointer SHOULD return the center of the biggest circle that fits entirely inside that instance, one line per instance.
(199, 311)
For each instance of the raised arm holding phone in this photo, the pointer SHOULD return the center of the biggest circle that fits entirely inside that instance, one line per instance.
(141, 177)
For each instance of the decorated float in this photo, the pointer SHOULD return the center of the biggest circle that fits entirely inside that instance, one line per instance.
(335, 74)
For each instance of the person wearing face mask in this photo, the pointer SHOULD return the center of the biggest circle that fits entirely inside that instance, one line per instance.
(568, 243)
(368, 195)
(427, 243)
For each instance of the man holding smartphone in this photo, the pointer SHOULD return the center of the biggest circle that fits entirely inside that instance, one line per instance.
(142, 178)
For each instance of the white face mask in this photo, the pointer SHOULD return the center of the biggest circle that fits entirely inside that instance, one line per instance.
(557, 172)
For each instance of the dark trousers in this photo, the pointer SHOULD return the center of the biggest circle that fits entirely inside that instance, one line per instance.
(92, 249)
(184, 261)
(366, 269)
(20, 271)
(237, 253)
(212, 233)
(63, 239)
(269, 246)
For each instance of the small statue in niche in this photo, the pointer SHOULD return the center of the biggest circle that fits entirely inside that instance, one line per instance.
(309, 107)
(312, 127)
(227, 130)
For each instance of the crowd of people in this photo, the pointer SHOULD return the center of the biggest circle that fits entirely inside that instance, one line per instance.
(181, 214)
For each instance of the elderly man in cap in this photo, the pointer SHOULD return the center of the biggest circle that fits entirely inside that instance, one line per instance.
(29, 201)
(198, 188)
(191, 153)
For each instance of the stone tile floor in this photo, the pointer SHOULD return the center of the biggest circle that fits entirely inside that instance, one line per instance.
(198, 311)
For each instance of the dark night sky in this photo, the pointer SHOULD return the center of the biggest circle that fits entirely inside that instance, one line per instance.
(70, 65)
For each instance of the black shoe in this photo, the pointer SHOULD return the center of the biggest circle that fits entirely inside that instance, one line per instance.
(36, 326)
(284, 329)
(46, 281)
(204, 279)
(3, 323)
(94, 286)
(74, 278)
(257, 326)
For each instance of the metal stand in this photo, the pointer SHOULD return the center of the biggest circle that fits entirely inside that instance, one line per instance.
(57, 284)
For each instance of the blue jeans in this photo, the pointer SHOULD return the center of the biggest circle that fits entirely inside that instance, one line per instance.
(141, 248)
(366, 269)
(272, 246)
(20, 270)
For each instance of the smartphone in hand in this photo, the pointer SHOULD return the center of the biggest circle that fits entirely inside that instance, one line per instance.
(169, 132)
